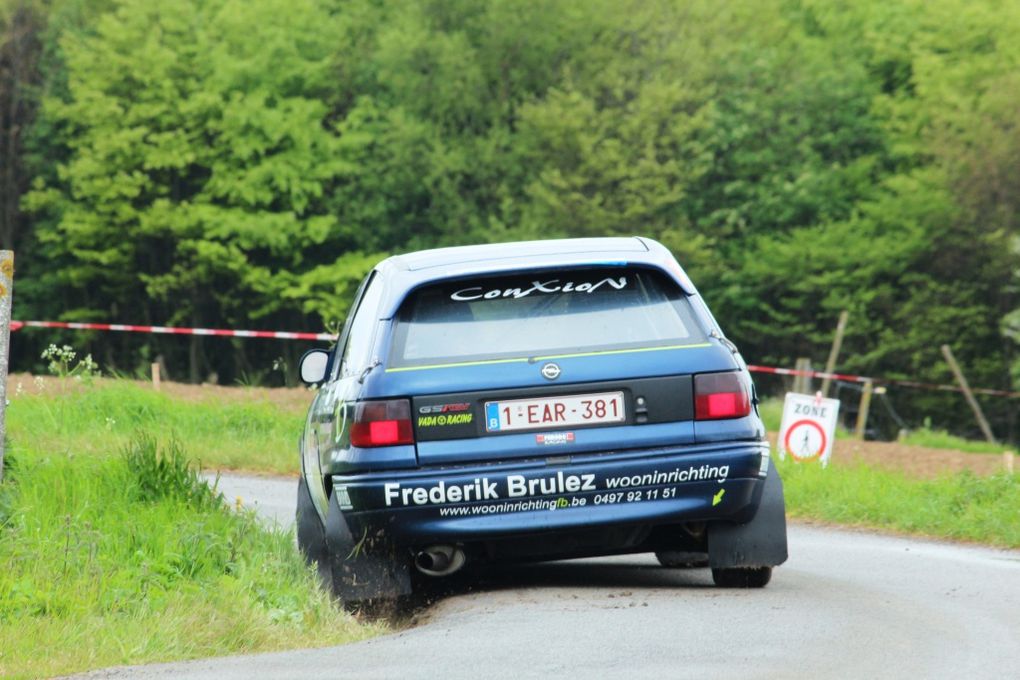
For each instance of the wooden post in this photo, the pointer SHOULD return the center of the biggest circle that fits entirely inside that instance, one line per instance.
(862, 411)
(6, 291)
(155, 376)
(837, 343)
(802, 383)
(978, 413)
(1007, 461)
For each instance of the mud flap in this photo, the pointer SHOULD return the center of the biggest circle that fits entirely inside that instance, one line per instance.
(364, 567)
(761, 542)
(311, 537)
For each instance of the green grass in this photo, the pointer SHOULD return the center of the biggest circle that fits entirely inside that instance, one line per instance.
(963, 506)
(940, 439)
(243, 434)
(131, 558)
(771, 411)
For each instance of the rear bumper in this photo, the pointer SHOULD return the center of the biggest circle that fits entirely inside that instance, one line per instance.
(479, 502)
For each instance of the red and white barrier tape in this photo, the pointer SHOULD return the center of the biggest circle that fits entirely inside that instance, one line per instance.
(172, 330)
(879, 381)
(286, 335)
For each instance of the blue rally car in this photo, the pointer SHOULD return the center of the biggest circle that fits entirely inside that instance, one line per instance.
(533, 401)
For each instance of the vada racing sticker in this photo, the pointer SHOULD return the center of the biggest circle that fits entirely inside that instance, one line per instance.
(443, 419)
(441, 415)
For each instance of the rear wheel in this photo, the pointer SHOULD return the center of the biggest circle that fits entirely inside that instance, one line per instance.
(364, 570)
(311, 536)
(742, 577)
(361, 575)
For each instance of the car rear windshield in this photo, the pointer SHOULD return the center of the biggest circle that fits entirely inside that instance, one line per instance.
(542, 315)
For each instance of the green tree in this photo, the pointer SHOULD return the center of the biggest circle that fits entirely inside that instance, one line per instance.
(214, 162)
(199, 157)
(21, 26)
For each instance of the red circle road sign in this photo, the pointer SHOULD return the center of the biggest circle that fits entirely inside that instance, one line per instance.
(814, 451)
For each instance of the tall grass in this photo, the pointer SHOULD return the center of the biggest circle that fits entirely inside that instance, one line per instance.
(771, 411)
(940, 439)
(237, 434)
(962, 506)
(133, 558)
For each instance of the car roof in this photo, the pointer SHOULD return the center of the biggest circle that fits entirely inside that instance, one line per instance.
(402, 273)
(462, 255)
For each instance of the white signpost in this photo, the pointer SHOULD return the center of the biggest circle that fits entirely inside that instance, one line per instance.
(809, 426)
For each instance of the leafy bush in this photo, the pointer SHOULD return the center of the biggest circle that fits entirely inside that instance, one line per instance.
(63, 365)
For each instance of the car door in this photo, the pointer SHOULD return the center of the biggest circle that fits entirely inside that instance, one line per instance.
(354, 358)
(327, 415)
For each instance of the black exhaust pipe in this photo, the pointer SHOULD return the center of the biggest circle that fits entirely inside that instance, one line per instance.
(439, 560)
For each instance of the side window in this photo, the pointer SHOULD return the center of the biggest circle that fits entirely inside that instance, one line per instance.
(362, 329)
(345, 332)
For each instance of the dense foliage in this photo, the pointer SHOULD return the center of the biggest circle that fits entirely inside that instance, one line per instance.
(243, 163)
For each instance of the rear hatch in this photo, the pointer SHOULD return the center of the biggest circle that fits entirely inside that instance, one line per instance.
(549, 363)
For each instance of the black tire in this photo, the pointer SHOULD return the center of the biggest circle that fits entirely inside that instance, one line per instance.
(682, 559)
(742, 577)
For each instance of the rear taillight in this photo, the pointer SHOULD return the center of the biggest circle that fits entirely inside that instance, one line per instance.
(720, 395)
(382, 423)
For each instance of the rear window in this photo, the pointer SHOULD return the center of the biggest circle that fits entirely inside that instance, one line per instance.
(542, 315)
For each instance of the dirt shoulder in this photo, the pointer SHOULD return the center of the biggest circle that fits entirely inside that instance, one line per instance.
(915, 461)
(289, 398)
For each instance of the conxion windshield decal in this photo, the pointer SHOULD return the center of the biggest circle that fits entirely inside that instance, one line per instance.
(551, 286)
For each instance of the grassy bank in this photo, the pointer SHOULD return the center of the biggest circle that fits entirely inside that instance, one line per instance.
(131, 558)
(962, 506)
(242, 431)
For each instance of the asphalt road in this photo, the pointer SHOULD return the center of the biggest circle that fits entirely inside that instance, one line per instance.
(846, 605)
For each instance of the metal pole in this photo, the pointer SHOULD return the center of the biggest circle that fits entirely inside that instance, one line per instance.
(862, 411)
(837, 343)
(6, 291)
(978, 413)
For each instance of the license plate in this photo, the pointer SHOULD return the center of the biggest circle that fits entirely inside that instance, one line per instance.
(538, 414)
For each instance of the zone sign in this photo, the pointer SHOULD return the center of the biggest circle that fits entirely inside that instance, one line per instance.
(808, 428)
